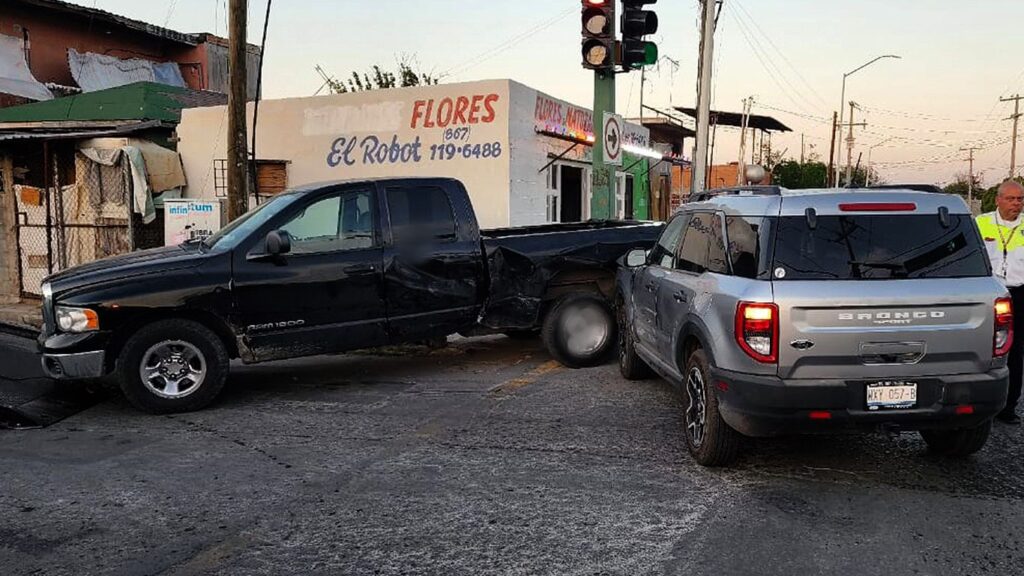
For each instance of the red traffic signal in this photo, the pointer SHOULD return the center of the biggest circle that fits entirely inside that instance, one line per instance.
(598, 23)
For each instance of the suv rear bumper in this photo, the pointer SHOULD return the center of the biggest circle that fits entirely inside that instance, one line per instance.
(762, 406)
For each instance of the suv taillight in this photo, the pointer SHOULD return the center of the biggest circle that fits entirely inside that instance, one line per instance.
(757, 331)
(1003, 339)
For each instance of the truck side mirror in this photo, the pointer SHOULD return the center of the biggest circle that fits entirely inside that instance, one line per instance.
(279, 242)
(636, 258)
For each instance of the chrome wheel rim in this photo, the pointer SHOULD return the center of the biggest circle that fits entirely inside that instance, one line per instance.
(585, 329)
(173, 369)
(696, 412)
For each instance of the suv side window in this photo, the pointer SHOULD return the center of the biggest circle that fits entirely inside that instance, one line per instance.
(693, 253)
(421, 214)
(718, 260)
(664, 252)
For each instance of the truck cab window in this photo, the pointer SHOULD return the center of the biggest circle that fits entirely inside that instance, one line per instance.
(421, 214)
(342, 222)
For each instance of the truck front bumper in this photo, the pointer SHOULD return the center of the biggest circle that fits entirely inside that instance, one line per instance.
(74, 356)
(762, 406)
(81, 366)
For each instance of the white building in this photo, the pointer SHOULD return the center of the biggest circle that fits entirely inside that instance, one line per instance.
(523, 155)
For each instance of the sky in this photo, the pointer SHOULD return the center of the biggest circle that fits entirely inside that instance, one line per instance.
(957, 60)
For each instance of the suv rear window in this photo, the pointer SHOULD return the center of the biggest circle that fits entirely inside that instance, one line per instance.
(878, 248)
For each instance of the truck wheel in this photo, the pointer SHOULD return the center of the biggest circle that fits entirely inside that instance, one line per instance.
(957, 443)
(710, 440)
(580, 330)
(631, 365)
(172, 366)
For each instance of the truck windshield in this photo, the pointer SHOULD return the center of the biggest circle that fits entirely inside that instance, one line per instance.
(235, 232)
(878, 248)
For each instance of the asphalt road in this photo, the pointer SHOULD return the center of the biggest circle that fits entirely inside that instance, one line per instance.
(485, 458)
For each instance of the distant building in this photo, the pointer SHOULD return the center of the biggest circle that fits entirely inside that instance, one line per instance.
(50, 48)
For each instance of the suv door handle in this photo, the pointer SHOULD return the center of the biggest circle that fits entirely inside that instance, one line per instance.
(360, 269)
(651, 287)
(679, 297)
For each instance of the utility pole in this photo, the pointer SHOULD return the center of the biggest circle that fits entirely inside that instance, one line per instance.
(831, 176)
(707, 47)
(803, 149)
(1016, 121)
(970, 175)
(849, 147)
(238, 151)
(748, 103)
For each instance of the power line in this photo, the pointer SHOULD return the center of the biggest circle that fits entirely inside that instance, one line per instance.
(170, 12)
(491, 53)
(767, 68)
(781, 54)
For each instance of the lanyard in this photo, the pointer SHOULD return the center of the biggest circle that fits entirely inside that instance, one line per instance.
(1004, 241)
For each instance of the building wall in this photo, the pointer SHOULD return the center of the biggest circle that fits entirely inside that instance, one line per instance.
(52, 33)
(532, 111)
(452, 130)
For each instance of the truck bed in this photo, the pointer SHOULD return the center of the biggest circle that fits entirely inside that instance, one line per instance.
(522, 263)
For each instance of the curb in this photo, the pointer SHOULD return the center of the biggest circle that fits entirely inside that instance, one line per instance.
(19, 330)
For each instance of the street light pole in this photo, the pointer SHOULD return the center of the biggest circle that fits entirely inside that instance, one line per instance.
(867, 177)
(842, 105)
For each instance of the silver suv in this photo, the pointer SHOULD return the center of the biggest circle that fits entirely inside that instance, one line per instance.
(782, 311)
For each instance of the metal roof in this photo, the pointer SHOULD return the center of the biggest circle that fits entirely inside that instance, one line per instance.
(735, 119)
(139, 101)
(82, 134)
(96, 15)
(665, 129)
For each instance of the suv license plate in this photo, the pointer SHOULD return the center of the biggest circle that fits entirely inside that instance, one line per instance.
(892, 395)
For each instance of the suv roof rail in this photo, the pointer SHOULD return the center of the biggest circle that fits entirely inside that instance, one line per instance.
(736, 191)
(913, 187)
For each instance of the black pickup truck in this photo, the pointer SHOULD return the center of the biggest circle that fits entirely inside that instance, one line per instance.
(330, 268)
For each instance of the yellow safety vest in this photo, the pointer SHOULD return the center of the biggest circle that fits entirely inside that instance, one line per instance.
(1005, 246)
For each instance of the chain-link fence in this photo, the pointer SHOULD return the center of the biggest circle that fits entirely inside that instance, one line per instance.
(84, 214)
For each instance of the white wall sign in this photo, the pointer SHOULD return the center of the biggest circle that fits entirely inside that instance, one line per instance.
(190, 219)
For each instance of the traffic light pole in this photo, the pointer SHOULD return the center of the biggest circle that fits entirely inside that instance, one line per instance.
(602, 177)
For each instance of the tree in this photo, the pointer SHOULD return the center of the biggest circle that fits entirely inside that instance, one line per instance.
(379, 79)
(796, 176)
(961, 186)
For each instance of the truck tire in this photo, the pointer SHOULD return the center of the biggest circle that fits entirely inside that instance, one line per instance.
(709, 439)
(631, 365)
(172, 366)
(957, 443)
(579, 331)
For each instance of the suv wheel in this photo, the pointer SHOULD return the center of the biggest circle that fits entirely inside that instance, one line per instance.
(957, 443)
(580, 330)
(172, 366)
(631, 365)
(710, 440)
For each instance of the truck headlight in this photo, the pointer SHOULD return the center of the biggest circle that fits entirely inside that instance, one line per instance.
(77, 320)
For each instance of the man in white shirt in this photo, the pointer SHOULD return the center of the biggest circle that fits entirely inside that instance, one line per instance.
(1003, 232)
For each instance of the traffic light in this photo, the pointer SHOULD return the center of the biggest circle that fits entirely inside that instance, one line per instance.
(637, 23)
(598, 34)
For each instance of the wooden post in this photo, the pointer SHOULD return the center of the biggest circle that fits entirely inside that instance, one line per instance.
(238, 153)
(831, 177)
